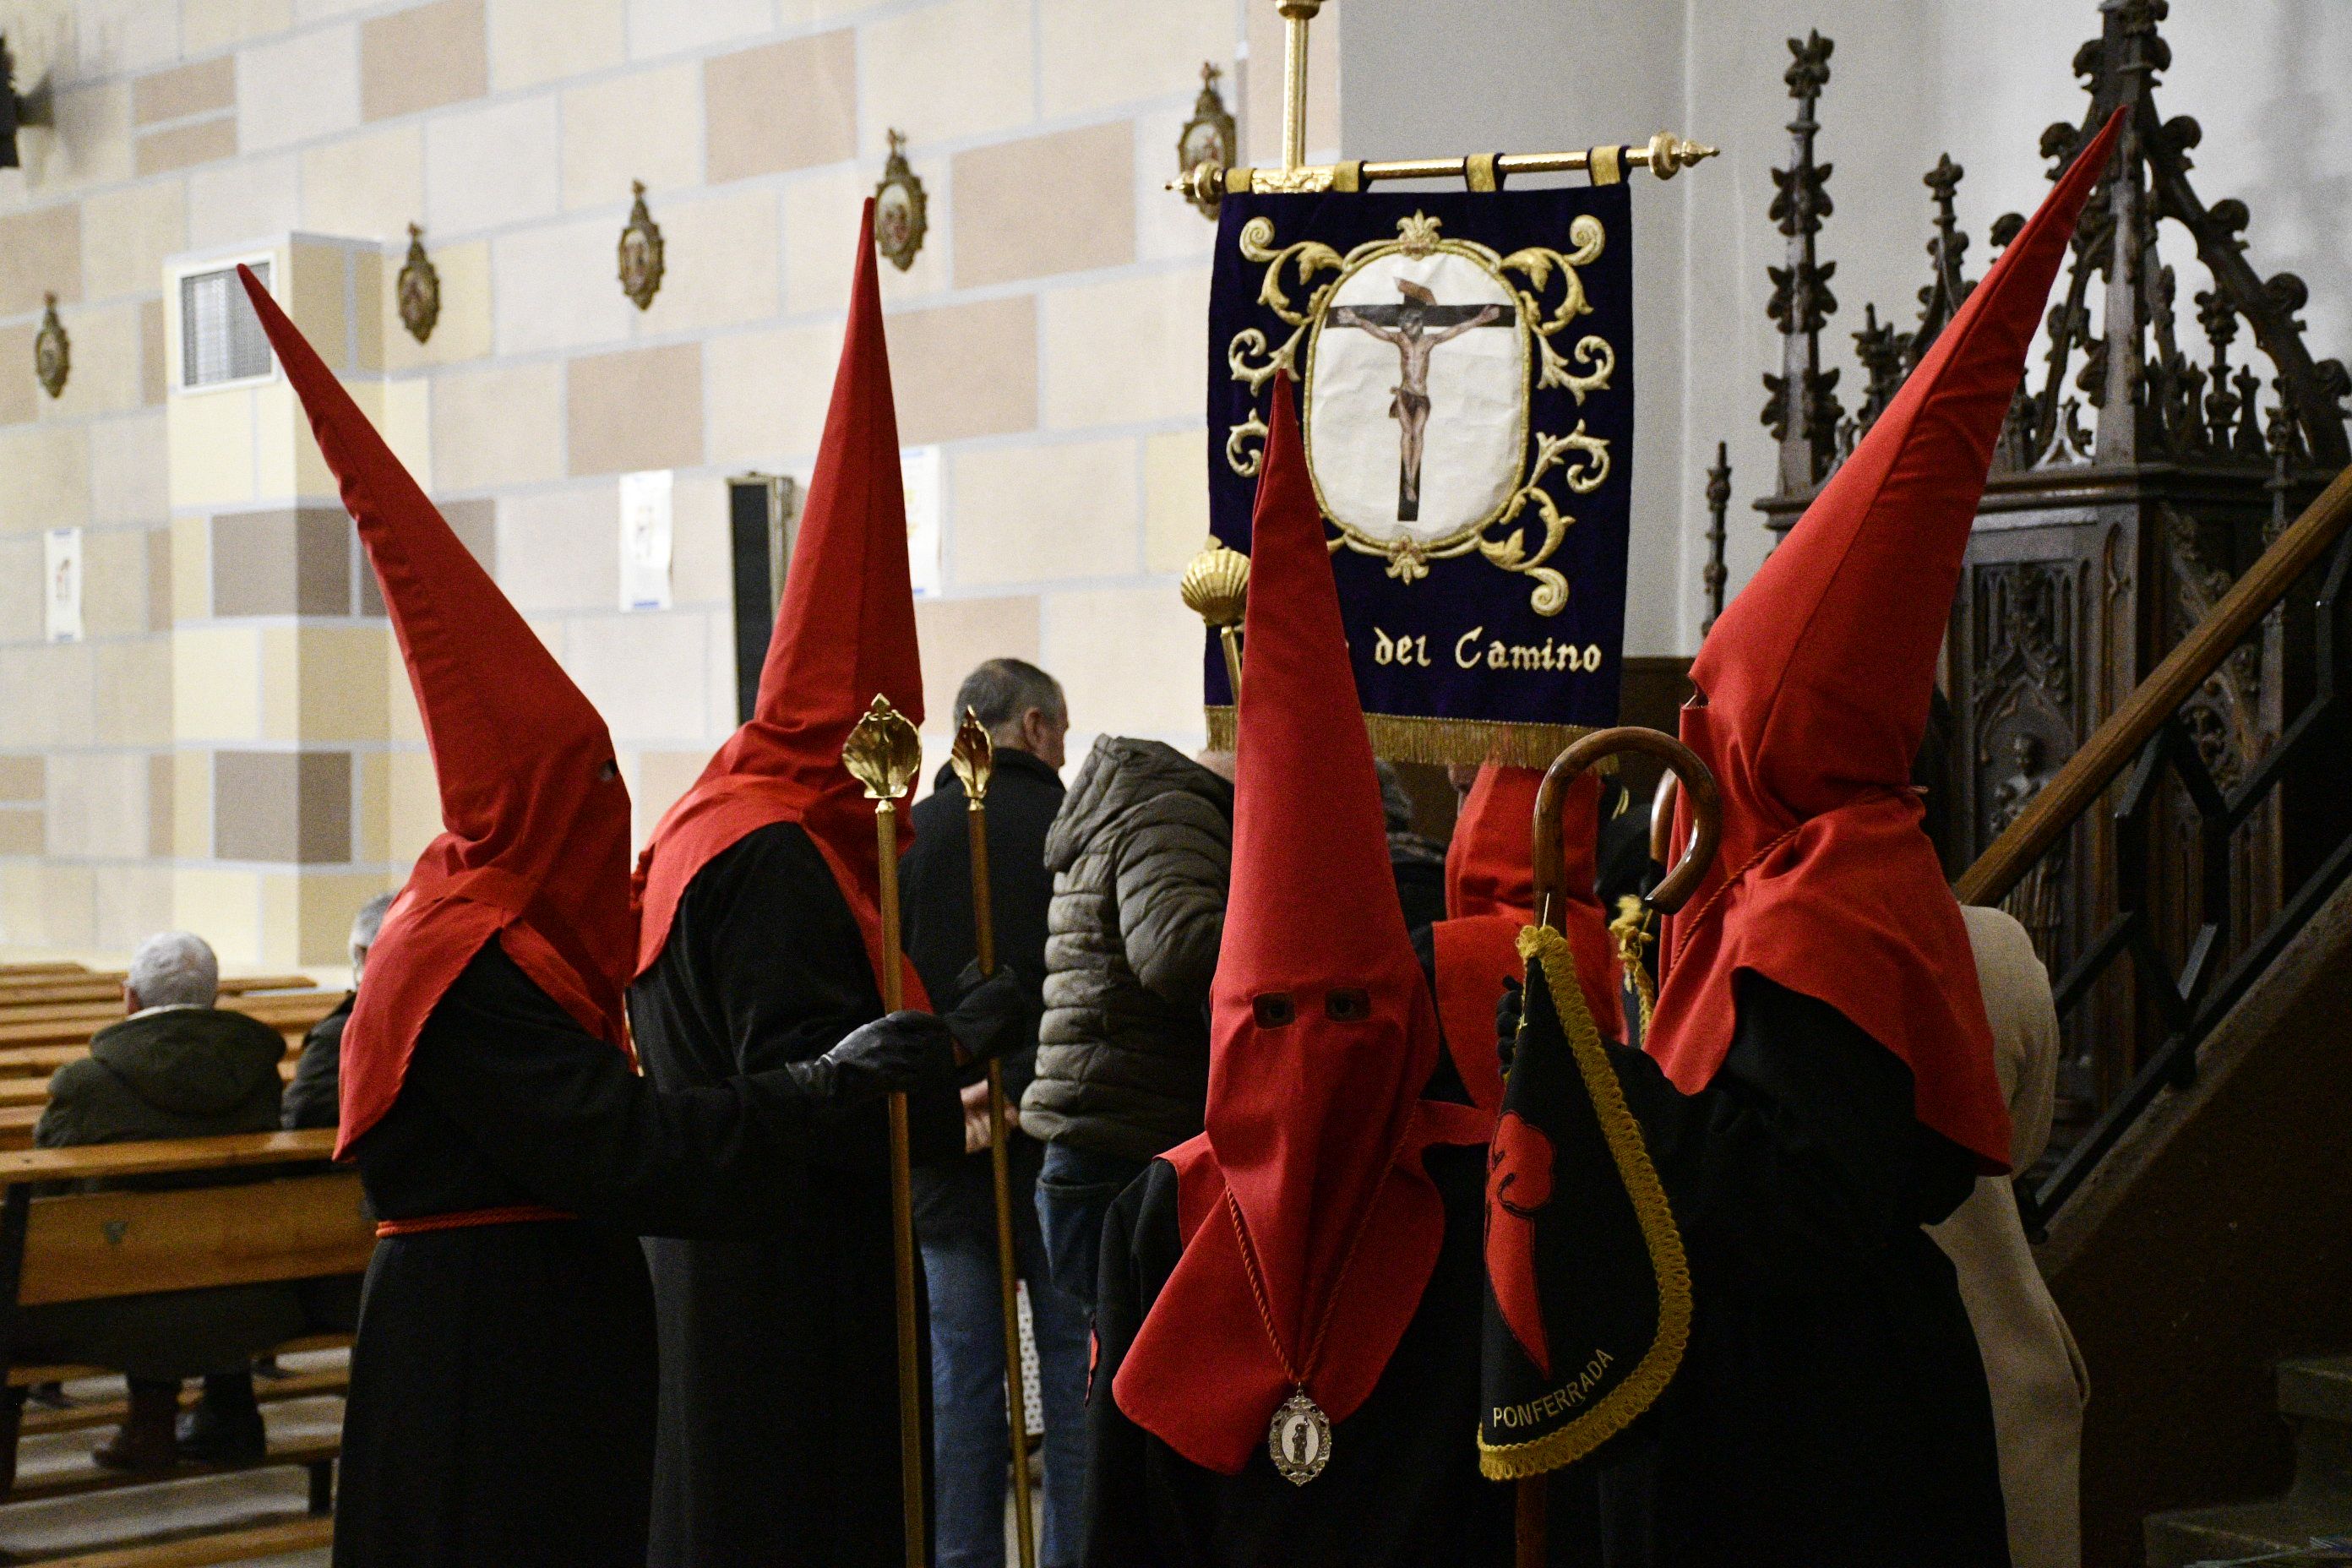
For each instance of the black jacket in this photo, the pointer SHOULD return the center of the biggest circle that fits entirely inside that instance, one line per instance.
(169, 1072)
(935, 885)
(1142, 855)
(314, 1095)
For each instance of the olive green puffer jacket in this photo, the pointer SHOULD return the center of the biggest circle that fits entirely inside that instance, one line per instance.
(1141, 853)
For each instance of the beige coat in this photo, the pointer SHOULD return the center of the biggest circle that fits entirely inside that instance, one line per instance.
(2036, 1374)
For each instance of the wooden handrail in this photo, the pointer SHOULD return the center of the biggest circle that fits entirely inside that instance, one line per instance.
(2086, 775)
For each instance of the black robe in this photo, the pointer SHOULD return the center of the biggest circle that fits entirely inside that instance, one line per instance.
(1831, 1411)
(1402, 1488)
(779, 1431)
(501, 1407)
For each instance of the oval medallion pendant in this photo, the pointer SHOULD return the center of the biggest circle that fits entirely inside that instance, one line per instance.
(1299, 1439)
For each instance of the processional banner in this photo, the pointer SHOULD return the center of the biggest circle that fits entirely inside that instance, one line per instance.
(1465, 367)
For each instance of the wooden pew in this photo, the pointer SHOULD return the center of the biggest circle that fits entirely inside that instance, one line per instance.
(70, 1025)
(76, 1247)
(39, 970)
(108, 988)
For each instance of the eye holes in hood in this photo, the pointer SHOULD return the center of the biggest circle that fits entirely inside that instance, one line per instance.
(1341, 1004)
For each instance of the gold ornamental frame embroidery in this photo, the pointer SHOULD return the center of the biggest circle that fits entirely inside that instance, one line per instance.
(1581, 458)
(1620, 1405)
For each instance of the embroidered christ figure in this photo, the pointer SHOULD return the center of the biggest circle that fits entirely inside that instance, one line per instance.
(1417, 326)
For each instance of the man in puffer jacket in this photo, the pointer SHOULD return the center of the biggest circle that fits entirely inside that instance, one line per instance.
(1141, 853)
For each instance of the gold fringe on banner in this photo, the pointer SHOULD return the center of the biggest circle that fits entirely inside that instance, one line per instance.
(1445, 742)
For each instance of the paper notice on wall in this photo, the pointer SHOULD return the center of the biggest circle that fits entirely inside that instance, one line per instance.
(61, 584)
(646, 536)
(919, 469)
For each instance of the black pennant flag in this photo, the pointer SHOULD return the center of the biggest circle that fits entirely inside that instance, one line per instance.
(1588, 1292)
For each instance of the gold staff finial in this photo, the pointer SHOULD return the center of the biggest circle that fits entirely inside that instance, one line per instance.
(882, 752)
(973, 757)
(1215, 587)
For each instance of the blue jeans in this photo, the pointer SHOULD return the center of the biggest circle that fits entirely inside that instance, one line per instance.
(955, 1217)
(1075, 1192)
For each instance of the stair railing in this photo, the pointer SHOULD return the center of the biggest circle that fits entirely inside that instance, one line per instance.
(2149, 739)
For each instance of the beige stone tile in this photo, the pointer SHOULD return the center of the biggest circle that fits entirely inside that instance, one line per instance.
(1092, 56)
(129, 470)
(282, 808)
(184, 146)
(1062, 203)
(1129, 659)
(367, 283)
(722, 264)
(224, 905)
(296, 88)
(702, 566)
(535, 41)
(97, 806)
(661, 777)
(1039, 513)
(427, 57)
(54, 906)
(1158, 323)
(491, 166)
(159, 580)
(23, 831)
(370, 818)
(329, 901)
(501, 427)
(639, 409)
(1175, 499)
(648, 674)
(132, 903)
(48, 483)
(162, 775)
(154, 362)
(821, 218)
(965, 370)
(235, 202)
(1166, 228)
(115, 582)
(209, 25)
(286, 462)
(40, 253)
(463, 331)
(1262, 119)
(205, 88)
(368, 187)
(782, 105)
(45, 695)
(211, 437)
(559, 550)
(555, 286)
(342, 684)
(769, 393)
(133, 681)
(216, 683)
(19, 393)
(666, 26)
(91, 143)
(23, 779)
(21, 609)
(959, 69)
(407, 421)
(106, 367)
(955, 634)
(191, 804)
(192, 571)
(645, 126)
(281, 688)
(126, 235)
(413, 805)
(282, 562)
(118, 36)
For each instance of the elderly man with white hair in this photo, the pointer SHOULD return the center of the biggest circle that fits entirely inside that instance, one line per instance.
(178, 1067)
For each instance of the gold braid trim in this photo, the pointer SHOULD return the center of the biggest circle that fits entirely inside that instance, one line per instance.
(1619, 1407)
(1441, 740)
(1633, 930)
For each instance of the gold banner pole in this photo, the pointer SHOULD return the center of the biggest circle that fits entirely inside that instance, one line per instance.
(974, 760)
(884, 754)
(1215, 587)
(1296, 14)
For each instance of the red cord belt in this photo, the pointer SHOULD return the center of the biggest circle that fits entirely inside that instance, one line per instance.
(516, 1214)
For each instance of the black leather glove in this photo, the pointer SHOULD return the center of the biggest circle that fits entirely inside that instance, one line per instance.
(1506, 1023)
(996, 1016)
(896, 1053)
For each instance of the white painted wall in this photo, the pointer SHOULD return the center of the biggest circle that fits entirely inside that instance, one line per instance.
(1910, 80)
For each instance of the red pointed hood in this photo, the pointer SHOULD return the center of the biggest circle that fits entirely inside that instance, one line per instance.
(534, 847)
(1306, 1194)
(1812, 698)
(845, 632)
(1490, 894)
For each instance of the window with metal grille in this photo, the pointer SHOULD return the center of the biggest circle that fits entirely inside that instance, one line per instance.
(220, 336)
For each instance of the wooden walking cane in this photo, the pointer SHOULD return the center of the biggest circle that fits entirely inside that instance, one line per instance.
(974, 760)
(885, 753)
(1550, 869)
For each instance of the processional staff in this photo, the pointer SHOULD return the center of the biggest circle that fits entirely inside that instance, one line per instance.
(974, 760)
(884, 754)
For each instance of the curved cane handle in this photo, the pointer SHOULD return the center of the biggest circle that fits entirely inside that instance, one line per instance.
(1661, 820)
(1706, 812)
